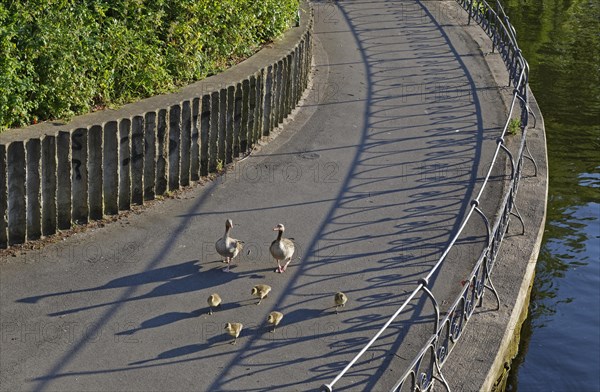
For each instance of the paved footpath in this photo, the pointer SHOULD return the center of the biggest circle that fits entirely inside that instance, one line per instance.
(370, 177)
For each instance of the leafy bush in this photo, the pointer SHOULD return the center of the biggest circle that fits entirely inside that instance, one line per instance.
(514, 126)
(64, 57)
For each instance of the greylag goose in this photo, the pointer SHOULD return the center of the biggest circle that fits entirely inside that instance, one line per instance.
(274, 319)
(234, 330)
(228, 247)
(282, 248)
(214, 300)
(340, 300)
(260, 291)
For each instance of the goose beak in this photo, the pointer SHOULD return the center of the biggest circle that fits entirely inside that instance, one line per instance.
(275, 228)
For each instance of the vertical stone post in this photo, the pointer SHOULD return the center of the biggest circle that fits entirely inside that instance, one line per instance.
(96, 174)
(79, 143)
(162, 158)
(137, 160)
(252, 112)
(149, 155)
(237, 118)
(285, 92)
(205, 132)
(245, 109)
(49, 185)
(309, 57)
(260, 86)
(174, 146)
(300, 71)
(302, 65)
(195, 149)
(3, 199)
(221, 140)
(229, 125)
(291, 84)
(268, 101)
(214, 131)
(33, 186)
(186, 143)
(307, 62)
(125, 164)
(63, 180)
(16, 193)
(110, 181)
(276, 95)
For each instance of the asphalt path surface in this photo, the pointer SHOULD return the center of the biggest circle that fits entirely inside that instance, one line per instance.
(371, 178)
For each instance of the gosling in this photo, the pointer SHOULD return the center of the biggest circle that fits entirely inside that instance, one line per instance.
(260, 291)
(274, 319)
(234, 330)
(340, 300)
(214, 300)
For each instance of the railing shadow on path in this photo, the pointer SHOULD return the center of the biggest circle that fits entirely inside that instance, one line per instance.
(420, 203)
(428, 227)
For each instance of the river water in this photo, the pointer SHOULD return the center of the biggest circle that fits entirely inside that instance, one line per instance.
(560, 342)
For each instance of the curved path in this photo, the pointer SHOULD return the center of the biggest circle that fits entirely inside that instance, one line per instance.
(371, 177)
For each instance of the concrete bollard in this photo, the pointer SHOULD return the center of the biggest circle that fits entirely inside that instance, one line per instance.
(15, 160)
(222, 125)
(79, 158)
(276, 95)
(252, 112)
(162, 151)
(33, 149)
(282, 90)
(149, 155)
(174, 146)
(95, 172)
(137, 160)
(295, 74)
(186, 143)
(110, 168)
(284, 87)
(205, 132)
(195, 148)
(259, 104)
(214, 131)
(63, 180)
(244, 120)
(124, 164)
(237, 118)
(48, 185)
(229, 125)
(3, 199)
(267, 101)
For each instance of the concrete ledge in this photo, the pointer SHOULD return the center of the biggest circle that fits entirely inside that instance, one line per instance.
(481, 359)
(54, 175)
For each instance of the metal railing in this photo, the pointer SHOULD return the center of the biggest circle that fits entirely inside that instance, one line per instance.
(427, 364)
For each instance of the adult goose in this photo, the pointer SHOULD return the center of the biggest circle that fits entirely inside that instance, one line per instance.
(282, 249)
(228, 247)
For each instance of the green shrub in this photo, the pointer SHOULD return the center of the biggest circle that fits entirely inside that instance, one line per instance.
(65, 57)
(514, 126)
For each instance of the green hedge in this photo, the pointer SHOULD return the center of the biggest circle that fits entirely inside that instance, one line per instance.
(65, 57)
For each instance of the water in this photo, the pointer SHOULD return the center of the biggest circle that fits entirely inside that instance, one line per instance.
(560, 346)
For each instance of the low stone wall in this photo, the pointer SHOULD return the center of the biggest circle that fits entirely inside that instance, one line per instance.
(55, 175)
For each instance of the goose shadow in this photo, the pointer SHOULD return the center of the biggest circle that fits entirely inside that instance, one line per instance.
(182, 278)
(163, 274)
(217, 340)
(173, 317)
(221, 339)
